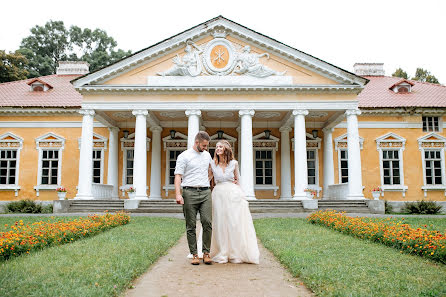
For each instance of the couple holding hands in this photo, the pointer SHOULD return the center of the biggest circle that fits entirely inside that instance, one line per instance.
(228, 230)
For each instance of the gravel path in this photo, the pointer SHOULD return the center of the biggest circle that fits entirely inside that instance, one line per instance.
(173, 275)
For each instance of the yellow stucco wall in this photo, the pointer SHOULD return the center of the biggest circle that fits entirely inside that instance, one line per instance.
(29, 157)
(138, 76)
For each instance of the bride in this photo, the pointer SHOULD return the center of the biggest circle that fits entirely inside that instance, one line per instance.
(233, 234)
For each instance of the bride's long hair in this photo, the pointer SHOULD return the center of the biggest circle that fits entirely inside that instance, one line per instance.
(228, 155)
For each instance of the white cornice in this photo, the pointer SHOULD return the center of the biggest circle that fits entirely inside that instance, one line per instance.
(258, 106)
(206, 29)
(38, 111)
(408, 110)
(141, 89)
(45, 124)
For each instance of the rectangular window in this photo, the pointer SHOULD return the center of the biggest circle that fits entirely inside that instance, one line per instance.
(97, 160)
(264, 167)
(311, 166)
(431, 124)
(173, 155)
(432, 159)
(344, 166)
(129, 166)
(8, 167)
(50, 165)
(391, 167)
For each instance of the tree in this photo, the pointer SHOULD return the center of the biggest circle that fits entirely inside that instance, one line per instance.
(400, 73)
(424, 76)
(51, 43)
(12, 66)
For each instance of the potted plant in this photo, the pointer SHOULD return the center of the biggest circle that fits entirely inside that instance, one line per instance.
(376, 192)
(61, 193)
(310, 193)
(131, 192)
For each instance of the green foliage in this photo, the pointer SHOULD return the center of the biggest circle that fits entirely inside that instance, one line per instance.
(24, 206)
(102, 265)
(47, 208)
(425, 76)
(388, 207)
(422, 207)
(335, 264)
(400, 73)
(53, 42)
(12, 66)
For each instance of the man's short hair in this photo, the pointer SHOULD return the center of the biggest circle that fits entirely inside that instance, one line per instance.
(202, 135)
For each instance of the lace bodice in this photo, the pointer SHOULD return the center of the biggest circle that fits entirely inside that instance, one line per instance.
(227, 175)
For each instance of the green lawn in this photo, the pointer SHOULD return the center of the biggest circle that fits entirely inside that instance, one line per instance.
(103, 265)
(334, 264)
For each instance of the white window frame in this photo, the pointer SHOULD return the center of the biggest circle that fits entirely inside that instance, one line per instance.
(99, 144)
(341, 144)
(49, 141)
(440, 122)
(260, 143)
(179, 143)
(129, 144)
(429, 142)
(391, 142)
(312, 144)
(10, 141)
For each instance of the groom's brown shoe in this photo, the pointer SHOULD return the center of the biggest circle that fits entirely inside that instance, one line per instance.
(207, 259)
(195, 260)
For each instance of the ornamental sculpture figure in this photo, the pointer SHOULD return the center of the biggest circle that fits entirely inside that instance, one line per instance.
(189, 65)
(249, 64)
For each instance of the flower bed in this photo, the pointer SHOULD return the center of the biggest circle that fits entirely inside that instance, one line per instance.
(422, 242)
(26, 238)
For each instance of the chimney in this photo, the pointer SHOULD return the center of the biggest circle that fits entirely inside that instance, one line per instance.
(369, 69)
(72, 67)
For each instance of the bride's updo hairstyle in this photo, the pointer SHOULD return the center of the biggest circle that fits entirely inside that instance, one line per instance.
(228, 155)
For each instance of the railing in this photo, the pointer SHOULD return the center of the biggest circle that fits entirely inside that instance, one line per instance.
(102, 191)
(338, 192)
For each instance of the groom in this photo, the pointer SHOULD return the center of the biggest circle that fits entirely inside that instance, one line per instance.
(192, 173)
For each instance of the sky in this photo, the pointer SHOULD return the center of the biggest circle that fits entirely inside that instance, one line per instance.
(406, 34)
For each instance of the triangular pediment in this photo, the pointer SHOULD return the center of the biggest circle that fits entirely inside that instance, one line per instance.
(219, 52)
(432, 137)
(390, 137)
(342, 139)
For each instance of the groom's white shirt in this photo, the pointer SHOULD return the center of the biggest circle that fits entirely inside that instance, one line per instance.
(193, 166)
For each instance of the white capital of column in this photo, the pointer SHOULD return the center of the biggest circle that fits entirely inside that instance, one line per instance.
(86, 156)
(285, 168)
(140, 156)
(354, 156)
(300, 154)
(112, 171)
(328, 161)
(193, 126)
(155, 167)
(247, 162)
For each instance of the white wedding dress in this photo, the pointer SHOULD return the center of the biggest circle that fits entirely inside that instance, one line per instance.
(233, 235)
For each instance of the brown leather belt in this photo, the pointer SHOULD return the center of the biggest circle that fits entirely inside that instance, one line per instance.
(197, 188)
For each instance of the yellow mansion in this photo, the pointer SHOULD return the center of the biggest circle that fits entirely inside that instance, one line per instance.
(295, 122)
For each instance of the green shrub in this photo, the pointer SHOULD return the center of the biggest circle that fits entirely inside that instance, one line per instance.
(47, 208)
(388, 207)
(422, 207)
(24, 206)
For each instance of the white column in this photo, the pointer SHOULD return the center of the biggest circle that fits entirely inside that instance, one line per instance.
(354, 156)
(239, 144)
(86, 156)
(140, 157)
(300, 154)
(285, 162)
(112, 170)
(328, 161)
(155, 168)
(193, 126)
(247, 163)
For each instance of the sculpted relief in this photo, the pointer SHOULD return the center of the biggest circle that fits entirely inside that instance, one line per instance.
(219, 57)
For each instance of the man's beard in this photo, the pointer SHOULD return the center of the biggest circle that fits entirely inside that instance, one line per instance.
(200, 149)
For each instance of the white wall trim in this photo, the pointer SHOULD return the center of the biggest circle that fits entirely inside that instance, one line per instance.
(384, 125)
(46, 124)
(12, 144)
(430, 142)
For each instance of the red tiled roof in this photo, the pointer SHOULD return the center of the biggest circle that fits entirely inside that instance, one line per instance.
(377, 94)
(62, 94)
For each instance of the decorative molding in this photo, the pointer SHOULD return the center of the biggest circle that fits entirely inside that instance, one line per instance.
(123, 115)
(207, 28)
(99, 142)
(140, 112)
(179, 142)
(129, 142)
(350, 112)
(311, 142)
(303, 112)
(390, 140)
(10, 140)
(195, 112)
(431, 140)
(50, 140)
(260, 142)
(317, 114)
(385, 125)
(246, 112)
(88, 112)
(172, 114)
(38, 111)
(267, 114)
(220, 114)
(341, 142)
(428, 143)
